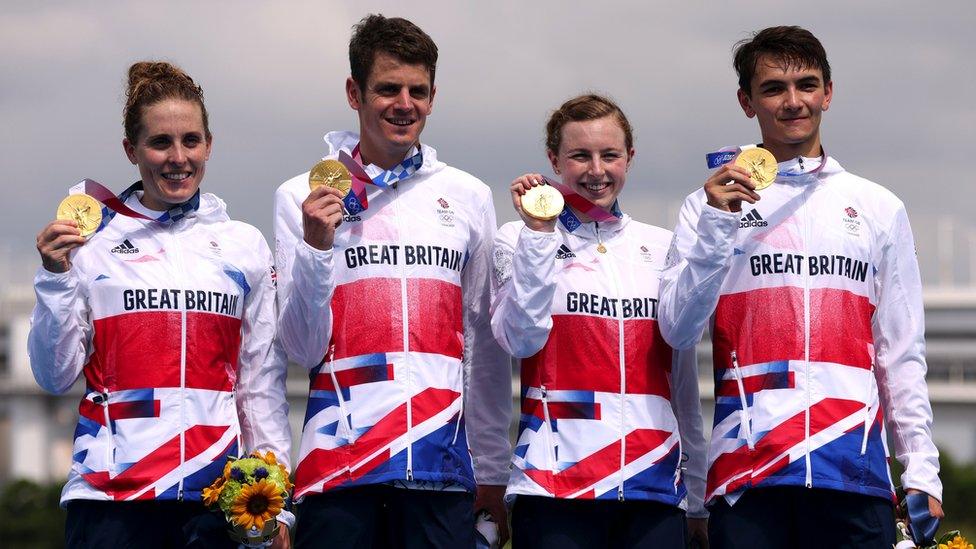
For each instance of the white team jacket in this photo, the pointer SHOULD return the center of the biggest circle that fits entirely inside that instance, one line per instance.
(817, 327)
(171, 325)
(603, 395)
(378, 322)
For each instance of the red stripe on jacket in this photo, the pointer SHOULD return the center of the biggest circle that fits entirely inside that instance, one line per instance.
(766, 325)
(582, 353)
(368, 317)
(140, 350)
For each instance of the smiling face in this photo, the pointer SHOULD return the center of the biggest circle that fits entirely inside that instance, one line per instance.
(788, 102)
(593, 159)
(393, 107)
(171, 151)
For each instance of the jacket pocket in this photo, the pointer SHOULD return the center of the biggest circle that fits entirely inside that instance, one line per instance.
(548, 436)
(101, 398)
(868, 416)
(745, 418)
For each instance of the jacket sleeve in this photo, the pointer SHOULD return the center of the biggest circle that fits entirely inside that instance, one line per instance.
(686, 404)
(60, 339)
(262, 369)
(899, 340)
(523, 278)
(697, 263)
(262, 407)
(488, 405)
(305, 285)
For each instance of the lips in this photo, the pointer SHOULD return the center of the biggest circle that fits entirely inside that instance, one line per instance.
(176, 176)
(400, 121)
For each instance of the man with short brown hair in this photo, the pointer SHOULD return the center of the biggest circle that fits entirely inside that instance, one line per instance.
(384, 289)
(817, 333)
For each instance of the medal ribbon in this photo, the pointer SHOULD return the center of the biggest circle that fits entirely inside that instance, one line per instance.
(355, 200)
(727, 154)
(581, 204)
(116, 204)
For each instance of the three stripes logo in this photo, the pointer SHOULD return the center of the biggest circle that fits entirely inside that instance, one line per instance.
(752, 219)
(125, 247)
(564, 252)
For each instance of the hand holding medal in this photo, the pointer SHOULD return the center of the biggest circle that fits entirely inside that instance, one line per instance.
(322, 211)
(78, 217)
(537, 204)
(741, 172)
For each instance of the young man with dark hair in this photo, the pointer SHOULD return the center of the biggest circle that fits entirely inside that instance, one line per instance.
(387, 306)
(815, 303)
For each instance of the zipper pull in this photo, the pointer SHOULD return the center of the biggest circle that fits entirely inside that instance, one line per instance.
(410, 475)
(620, 494)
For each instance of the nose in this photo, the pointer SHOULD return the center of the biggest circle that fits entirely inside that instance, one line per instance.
(403, 99)
(177, 154)
(596, 168)
(793, 99)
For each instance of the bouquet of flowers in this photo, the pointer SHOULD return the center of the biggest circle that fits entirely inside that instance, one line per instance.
(251, 492)
(950, 540)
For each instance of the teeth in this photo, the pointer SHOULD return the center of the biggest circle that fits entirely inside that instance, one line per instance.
(400, 121)
(176, 176)
(596, 186)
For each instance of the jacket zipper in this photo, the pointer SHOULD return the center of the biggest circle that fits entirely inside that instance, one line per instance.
(746, 416)
(178, 254)
(806, 350)
(405, 322)
(621, 357)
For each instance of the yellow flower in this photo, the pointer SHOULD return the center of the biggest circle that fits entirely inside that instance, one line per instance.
(284, 475)
(256, 504)
(270, 458)
(212, 493)
(957, 542)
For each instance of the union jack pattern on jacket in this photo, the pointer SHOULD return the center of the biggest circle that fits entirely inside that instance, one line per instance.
(597, 416)
(171, 325)
(382, 322)
(817, 334)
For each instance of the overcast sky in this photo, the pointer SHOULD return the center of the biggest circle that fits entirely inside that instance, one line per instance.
(903, 114)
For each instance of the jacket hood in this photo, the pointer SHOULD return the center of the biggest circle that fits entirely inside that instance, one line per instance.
(347, 141)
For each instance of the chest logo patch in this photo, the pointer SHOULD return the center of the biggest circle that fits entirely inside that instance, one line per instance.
(851, 224)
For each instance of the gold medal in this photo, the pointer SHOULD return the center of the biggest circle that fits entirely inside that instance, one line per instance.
(84, 210)
(330, 173)
(761, 165)
(542, 202)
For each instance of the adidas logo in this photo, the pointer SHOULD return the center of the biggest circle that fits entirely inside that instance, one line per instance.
(125, 247)
(564, 252)
(752, 219)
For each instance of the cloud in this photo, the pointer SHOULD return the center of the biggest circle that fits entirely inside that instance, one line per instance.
(273, 76)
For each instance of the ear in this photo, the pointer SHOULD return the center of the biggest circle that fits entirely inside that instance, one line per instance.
(209, 145)
(746, 103)
(430, 103)
(552, 161)
(130, 151)
(353, 94)
(630, 156)
(828, 95)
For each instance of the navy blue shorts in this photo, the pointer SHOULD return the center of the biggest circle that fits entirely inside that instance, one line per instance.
(551, 523)
(144, 524)
(798, 517)
(383, 516)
